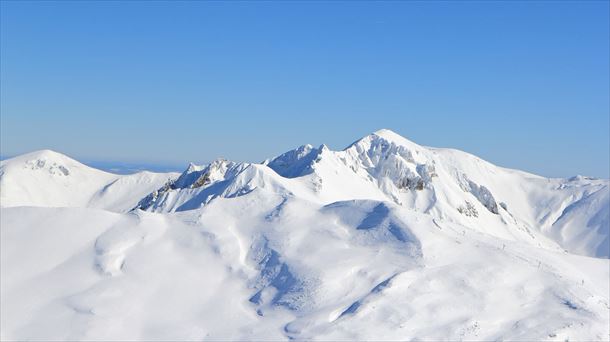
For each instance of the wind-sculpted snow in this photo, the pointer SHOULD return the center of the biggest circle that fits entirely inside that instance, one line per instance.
(228, 271)
(384, 240)
(592, 212)
(377, 223)
(276, 275)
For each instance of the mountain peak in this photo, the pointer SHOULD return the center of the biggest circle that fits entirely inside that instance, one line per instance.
(394, 137)
(41, 159)
(384, 136)
(386, 133)
(46, 154)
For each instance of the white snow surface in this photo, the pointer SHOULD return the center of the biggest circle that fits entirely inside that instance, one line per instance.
(50, 179)
(384, 240)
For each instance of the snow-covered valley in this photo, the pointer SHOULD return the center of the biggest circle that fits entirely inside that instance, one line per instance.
(384, 240)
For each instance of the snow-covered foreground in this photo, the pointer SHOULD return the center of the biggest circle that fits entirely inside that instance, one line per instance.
(385, 240)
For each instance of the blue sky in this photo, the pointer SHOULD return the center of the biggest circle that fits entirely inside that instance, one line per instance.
(521, 84)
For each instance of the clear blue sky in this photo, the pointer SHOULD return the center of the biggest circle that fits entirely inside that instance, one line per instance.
(521, 84)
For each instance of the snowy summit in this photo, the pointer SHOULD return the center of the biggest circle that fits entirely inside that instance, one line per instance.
(383, 240)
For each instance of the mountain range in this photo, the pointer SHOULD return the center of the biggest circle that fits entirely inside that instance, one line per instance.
(383, 240)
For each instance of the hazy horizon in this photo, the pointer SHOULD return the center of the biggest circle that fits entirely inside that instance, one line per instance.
(133, 166)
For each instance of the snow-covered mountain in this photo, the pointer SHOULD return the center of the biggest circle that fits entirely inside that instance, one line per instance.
(50, 179)
(446, 184)
(383, 240)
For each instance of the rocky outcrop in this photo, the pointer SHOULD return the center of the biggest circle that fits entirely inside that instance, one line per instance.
(152, 198)
(480, 192)
(468, 209)
(194, 177)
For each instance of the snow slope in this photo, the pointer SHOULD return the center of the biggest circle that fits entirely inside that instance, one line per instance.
(384, 240)
(50, 179)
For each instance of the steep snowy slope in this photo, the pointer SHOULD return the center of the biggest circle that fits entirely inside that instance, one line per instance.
(50, 179)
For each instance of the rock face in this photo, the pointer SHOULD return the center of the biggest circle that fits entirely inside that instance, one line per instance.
(192, 181)
(53, 167)
(482, 194)
(154, 196)
(468, 209)
(196, 176)
(418, 181)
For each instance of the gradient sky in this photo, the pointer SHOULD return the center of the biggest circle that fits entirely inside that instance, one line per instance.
(522, 84)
